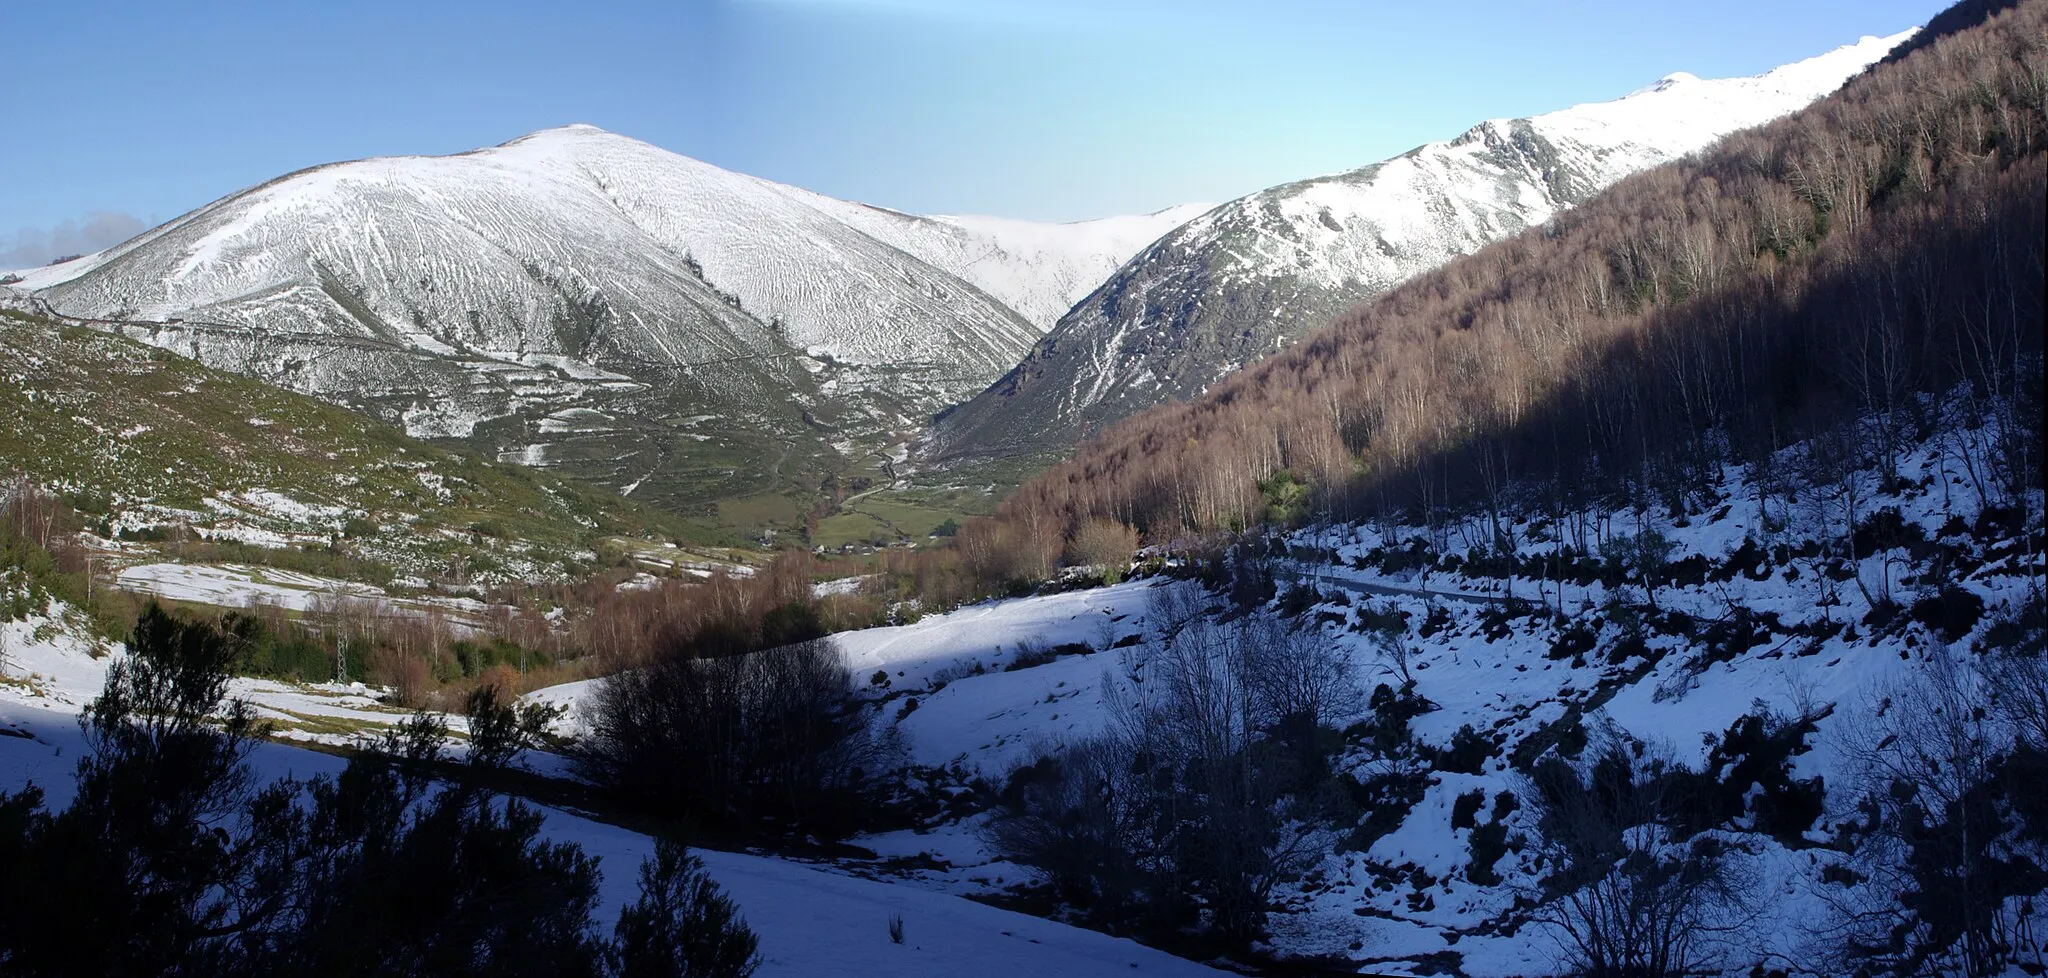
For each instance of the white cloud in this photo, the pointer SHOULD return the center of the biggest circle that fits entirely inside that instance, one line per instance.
(32, 247)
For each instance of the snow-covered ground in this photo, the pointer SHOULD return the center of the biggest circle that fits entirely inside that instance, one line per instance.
(239, 586)
(1407, 899)
(969, 708)
(247, 586)
(975, 714)
(812, 921)
(48, 667)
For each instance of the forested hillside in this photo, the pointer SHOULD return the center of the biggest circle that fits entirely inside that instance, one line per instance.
(1267, 270)
(1865, 258)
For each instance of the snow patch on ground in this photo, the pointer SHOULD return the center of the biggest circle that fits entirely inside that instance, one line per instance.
(811, 921)
(239, 586)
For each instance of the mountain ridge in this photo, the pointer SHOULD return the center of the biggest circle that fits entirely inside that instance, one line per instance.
(573, 297)
(1254, 274)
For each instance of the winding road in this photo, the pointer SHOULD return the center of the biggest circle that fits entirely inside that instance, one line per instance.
(1325, 576)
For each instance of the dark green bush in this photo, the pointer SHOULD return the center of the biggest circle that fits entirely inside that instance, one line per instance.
(1952, 612)
(1465, 811)
(1489, 842)
(1467, 754)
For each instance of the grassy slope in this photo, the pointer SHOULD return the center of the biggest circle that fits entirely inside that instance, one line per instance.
(146, 438)
(914, 506)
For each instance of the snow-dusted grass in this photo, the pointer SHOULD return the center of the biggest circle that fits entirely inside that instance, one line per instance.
(159, 446)
(969, 708)
(238, 586)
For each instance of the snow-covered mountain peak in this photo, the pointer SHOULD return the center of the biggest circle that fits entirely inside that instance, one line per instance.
(575, 268)
(1682, 111)
(1244, 279)
(573, 127)
(723, 220)
(581, 142)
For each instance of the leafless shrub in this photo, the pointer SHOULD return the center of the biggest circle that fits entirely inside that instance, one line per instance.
(1191, 803)
(1107, 544)
(1628, 896)
(1952, 823)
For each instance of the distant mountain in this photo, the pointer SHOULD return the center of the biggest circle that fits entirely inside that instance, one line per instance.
(1259, 272)
(579, 298)
(1040, 270)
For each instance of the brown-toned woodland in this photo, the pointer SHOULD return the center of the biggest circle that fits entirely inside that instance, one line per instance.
(1862, 258)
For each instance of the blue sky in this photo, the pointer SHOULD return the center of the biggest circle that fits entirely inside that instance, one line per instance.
(119, 115)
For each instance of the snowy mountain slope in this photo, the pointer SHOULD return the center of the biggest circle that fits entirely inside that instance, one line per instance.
(1257, 273)
(1040, 270)
(569, 243)
(1037, 269)
(491, 249)
(597, 303)
(440, 294)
